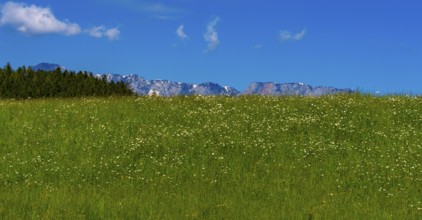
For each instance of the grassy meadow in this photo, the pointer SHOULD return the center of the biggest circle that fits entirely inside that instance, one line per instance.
(332, 157)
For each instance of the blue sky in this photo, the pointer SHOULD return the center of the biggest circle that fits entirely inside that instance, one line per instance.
(360, 44)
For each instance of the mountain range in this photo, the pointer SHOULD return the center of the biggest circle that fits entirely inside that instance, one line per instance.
(142, 86)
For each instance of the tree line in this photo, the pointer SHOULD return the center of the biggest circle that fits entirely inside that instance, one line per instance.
(25, 82)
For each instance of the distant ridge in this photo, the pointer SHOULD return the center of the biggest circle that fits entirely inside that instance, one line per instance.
(47, 67)
(289, 89)
(141, 86)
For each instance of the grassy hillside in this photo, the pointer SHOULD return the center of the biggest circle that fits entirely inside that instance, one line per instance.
(334, 157)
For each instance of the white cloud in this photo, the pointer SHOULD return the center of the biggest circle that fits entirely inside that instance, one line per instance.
(287, 36)
(112, 34)
(33, 20)
(181, 32)
(101, 31)
(211, 36)
(96, 31)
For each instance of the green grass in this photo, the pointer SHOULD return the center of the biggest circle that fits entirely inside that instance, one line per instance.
(333, 157)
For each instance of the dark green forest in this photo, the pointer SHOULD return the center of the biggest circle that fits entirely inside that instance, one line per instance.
(24, 83)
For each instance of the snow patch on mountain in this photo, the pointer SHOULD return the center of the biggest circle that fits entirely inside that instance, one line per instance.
(295, 89)
(142, 86)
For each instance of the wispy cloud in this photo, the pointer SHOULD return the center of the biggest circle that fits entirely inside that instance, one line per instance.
(34, 20)
(181, 32)
(288, 36)
(158, 8)
(211, 36)
(112, 34)
(153, 9)
(165, 17)
(97, 32)
(160, 11)
(258, 46)
(101, 31)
